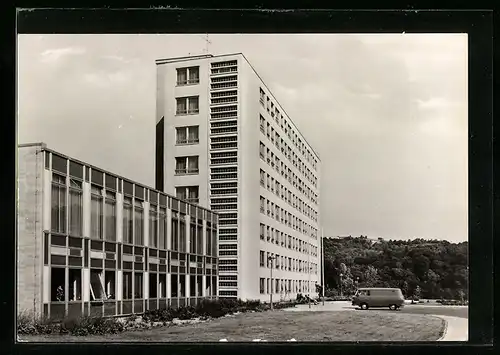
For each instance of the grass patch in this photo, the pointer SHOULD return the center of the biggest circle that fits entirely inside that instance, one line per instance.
(281, 326)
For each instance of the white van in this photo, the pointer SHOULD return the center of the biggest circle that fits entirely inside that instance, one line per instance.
(379, 297)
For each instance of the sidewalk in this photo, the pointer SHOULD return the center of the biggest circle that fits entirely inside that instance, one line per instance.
(457, 329)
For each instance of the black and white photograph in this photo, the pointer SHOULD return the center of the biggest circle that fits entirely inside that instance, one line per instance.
(212, 187)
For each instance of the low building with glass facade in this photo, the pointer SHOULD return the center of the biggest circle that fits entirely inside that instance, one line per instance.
(90, 242)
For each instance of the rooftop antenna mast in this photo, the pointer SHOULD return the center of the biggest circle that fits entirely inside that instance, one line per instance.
(207, 43)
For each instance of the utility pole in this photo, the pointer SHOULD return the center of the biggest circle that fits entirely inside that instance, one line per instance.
(271, 258)
(322, 267)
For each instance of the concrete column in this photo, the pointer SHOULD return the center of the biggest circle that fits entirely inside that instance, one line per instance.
(119, 218)
(205, 236)
(86, 284)
(46, 284)
(47, 196)
(146, 285)
(188, 236)
(119, 285)
(168, 286)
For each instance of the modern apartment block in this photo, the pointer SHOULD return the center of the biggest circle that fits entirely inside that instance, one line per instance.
(224, 141)
(91, 242)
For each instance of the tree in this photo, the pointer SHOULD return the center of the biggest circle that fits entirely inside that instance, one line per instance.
(438, 267)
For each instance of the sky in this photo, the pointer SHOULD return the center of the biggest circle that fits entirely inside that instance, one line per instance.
(387, 115)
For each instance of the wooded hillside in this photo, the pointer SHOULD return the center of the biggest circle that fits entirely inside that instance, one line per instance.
(422, 268)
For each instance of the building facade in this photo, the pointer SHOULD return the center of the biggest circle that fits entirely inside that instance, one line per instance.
(93, 243)
(224, 141)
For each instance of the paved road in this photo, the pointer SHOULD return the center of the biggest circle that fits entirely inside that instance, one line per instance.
(456, 317)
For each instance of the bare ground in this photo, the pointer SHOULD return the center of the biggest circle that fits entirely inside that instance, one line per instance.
(281, 326)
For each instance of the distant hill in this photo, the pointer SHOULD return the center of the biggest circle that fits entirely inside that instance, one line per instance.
(427, 268)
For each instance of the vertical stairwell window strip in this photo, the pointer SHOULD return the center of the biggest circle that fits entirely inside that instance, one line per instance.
(127, 221)
(110, 210)
(58, 212)
(139, 222)
(96, 215)
(76, 207)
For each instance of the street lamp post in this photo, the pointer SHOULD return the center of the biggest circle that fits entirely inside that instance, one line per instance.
(309, 273)
(341, 285)
(271, 258)
(322, 268)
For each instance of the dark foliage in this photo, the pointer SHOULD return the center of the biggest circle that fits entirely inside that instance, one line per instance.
(421, 268)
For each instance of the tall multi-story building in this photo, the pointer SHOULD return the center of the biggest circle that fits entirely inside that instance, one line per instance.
(90, 242)
(224, 141)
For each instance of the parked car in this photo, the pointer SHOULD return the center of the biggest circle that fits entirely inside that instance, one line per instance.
(379, 297)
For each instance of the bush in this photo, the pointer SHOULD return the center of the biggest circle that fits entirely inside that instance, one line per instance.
(28, 324)
(83, 326)
(86, 325)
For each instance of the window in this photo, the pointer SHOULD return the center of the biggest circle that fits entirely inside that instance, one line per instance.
(262, 203)
(262, 231)
(153, 226)
(75, 208)
(262, 150)
(75, 284)
(182, 234)
(187, 135)
(138, 285)
(175, 233)
(262, 177)
(192, 238)
(58, 215)
(139, 223)
(127, 221)
(96, 215)
(162, 228)
(189, 193)
(262, 258)
(97, 285)
(187, 105)
(214, 242)
(110, 210)
(262, 124)
(186, 165)
(262, 285)
(127, 285)
(188, 76)
(208, 242)
(153, 285)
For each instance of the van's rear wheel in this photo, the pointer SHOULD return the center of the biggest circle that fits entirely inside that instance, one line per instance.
(393, 307)
(363, 306)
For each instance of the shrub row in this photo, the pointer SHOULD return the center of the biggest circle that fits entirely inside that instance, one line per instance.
(99, 325)
(453, 302)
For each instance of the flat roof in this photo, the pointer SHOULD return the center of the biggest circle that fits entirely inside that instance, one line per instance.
(207, 56)
(43, 147)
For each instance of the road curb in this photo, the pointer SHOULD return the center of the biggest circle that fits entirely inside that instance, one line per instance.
(445, 330)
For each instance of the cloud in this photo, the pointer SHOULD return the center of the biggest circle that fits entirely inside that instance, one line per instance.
(54, 55)
(433, 103)
(106, 79)
(118, 58)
